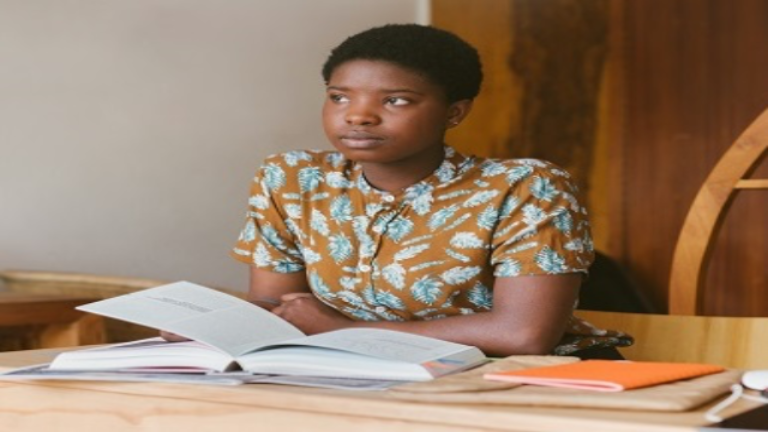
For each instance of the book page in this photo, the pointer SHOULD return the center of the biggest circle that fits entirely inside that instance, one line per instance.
(324, 382)
(386, 344)
(146, 354)
(377, 353)
(323, 362)
(203, 314)
(42, 372)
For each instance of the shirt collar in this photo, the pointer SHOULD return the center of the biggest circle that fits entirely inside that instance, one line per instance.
(450, 170)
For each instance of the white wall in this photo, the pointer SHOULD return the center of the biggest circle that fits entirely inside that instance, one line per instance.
(129, 129)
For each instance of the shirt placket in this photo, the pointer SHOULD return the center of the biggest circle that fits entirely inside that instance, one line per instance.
(380, 221)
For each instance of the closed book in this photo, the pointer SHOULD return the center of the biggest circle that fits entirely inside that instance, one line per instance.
(606, 375)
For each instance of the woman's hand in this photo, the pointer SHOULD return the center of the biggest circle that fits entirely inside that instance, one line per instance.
(309, 314)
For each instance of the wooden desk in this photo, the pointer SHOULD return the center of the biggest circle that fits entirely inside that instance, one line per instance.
(117, 407)
(51, 321)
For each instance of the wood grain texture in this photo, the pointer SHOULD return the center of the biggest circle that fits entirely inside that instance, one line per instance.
(736, 342)
(694, 80)
(543, 64)
(30, 321)
(708, 212)
(559, 56)
(36, 309)
(95, 411)
(84, 285)
(496, 112)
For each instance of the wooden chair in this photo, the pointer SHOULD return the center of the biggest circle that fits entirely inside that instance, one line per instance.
(86, 286)
(707, 213)
(681, 336)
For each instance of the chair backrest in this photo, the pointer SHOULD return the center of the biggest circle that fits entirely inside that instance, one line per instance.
(707, 213)
(735, 342)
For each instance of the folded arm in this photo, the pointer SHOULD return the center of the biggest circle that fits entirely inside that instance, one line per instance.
(266, 288)
(528, 316)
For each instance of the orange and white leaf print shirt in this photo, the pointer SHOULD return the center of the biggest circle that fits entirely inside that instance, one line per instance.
(431, 251)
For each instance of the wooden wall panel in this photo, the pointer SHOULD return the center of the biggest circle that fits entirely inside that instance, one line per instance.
(639, 99)
(496, 114)
(542, 98)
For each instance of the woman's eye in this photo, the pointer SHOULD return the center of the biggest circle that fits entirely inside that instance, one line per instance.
(397, 101)
(337, 98)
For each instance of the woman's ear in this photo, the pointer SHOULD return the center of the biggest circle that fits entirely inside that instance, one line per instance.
(458, 111)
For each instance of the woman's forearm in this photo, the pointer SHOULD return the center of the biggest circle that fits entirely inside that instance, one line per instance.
(495, 336)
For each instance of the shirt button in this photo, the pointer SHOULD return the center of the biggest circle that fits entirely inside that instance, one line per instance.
(365, 268)
(389, 198)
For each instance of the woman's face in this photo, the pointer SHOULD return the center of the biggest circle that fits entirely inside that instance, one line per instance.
(377, 112)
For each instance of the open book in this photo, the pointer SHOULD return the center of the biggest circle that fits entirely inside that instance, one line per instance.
(228, 334)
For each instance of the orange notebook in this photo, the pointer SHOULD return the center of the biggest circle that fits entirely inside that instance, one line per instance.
(606, 375)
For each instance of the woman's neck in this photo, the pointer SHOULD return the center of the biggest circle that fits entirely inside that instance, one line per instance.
(394, 177)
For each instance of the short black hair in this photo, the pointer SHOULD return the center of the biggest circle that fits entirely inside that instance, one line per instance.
(439, 55)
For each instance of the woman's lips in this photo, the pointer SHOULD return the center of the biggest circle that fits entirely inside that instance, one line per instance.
(361, 140)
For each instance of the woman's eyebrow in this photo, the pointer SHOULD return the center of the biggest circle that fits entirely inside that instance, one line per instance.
(392, 90)
(401, 90)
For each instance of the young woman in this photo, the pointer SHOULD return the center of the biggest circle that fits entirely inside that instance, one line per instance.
(397, 230)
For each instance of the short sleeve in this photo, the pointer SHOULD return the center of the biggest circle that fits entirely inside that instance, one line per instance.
(542, 227)
(267, 240)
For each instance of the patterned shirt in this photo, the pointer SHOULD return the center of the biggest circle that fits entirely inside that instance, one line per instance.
(430, 251)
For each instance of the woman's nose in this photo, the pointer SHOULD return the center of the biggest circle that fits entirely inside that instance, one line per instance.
(362, 114)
